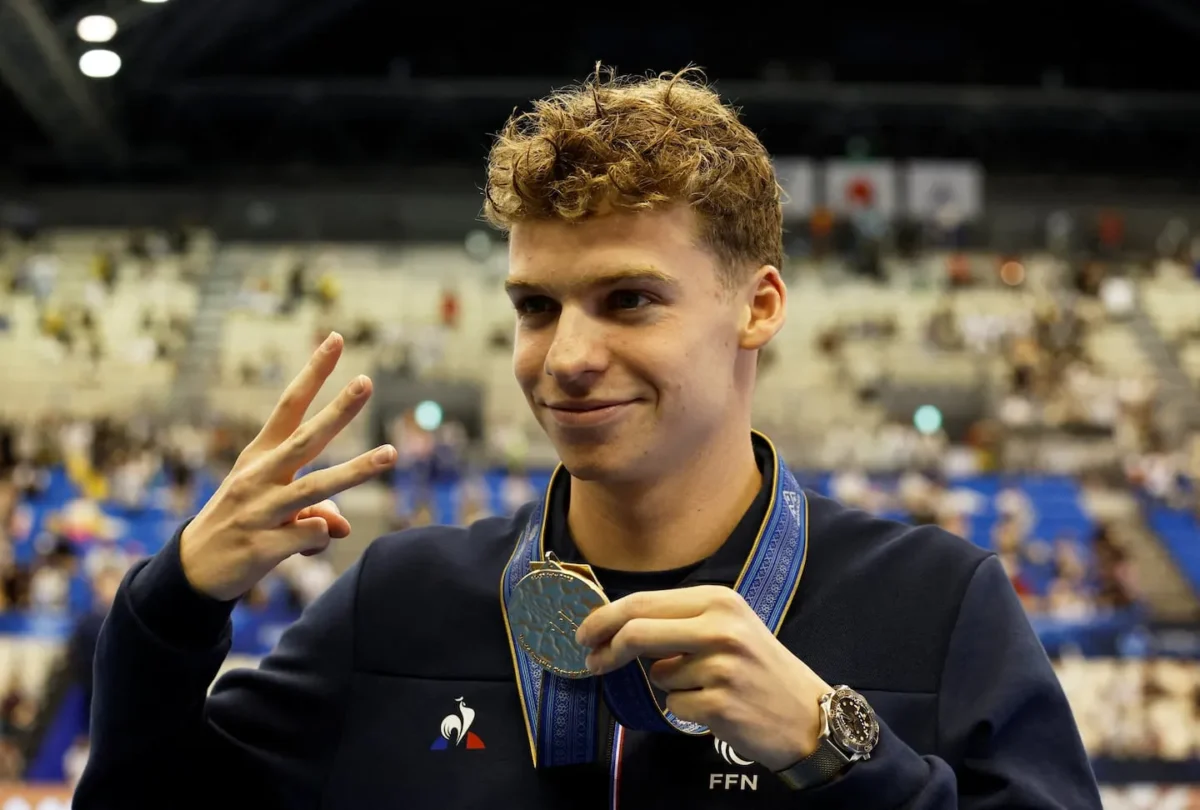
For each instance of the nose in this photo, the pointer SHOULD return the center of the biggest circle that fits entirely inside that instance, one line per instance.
(577, 353)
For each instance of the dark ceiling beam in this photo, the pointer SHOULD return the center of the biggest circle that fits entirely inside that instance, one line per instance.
(296, 24)
(1177, 14)
(194, 32)
(782, 93)
(183, 34)
(37, 67)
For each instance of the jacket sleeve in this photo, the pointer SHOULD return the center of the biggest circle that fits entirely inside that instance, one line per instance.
(1003, 721)
(265, 737)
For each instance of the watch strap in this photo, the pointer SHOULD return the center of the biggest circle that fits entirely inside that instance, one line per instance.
(817, 768)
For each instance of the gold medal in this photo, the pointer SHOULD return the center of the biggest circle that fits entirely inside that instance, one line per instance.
(546, 608)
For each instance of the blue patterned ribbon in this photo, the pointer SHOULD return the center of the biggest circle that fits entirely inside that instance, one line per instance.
(561, 713)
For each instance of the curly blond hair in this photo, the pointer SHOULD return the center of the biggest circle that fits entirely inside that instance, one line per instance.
(640, 143)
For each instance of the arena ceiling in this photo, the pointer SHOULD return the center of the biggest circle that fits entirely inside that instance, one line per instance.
(288, 86)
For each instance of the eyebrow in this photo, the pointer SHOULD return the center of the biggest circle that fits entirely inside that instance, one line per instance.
(610, 278)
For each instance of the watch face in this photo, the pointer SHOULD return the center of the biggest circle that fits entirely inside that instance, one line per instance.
(852, 722)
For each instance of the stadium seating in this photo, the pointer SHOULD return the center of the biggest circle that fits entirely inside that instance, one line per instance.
(1173, 303)
(50, 378)
(1180, 532)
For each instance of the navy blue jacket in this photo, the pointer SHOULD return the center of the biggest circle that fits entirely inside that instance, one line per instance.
(347, 711)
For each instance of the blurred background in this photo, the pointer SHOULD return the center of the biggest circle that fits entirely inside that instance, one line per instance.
(994, 257)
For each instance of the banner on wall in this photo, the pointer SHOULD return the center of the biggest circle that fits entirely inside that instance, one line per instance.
(798, 179)
(853, 186)
(937, 188)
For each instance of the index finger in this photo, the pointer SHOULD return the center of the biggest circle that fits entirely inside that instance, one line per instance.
(301, 391)
(683, 603)
(651, 638)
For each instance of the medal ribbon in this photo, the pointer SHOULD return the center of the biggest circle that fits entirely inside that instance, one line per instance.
(561, 713)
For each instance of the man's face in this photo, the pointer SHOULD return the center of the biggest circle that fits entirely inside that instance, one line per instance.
(626, 340)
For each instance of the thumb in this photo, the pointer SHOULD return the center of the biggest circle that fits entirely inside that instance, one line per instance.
(338, 526)
(306, 536)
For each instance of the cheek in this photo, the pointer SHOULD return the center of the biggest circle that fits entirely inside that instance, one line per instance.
(703, 368)
(677, 368)
(528, 361)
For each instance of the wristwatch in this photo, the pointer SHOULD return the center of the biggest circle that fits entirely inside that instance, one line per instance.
(849, 732)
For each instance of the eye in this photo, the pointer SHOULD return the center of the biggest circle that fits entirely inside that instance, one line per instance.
(533, 305)
(628, 299)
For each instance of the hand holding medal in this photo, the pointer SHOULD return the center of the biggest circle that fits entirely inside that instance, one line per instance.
(711, 649)
(719, 664)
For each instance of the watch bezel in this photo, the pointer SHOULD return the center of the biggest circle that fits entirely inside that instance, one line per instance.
(838, 699)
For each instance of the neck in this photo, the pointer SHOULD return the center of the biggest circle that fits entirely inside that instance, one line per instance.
(672, 522)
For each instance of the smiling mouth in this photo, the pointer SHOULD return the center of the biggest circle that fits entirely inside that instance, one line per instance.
(585, 407)
(587, 414)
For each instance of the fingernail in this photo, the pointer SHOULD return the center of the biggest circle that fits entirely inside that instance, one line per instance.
(384, 455)
(356, 386)
(331, 342)
(591, 665)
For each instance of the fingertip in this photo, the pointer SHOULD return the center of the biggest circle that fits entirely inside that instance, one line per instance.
(332, 343)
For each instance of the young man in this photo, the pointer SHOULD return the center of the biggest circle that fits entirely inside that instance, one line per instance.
(676, 622)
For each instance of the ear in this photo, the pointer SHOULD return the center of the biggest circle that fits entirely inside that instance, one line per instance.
(765, 309)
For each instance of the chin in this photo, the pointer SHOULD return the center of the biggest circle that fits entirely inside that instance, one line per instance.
(587, 466)
(608, 453)
(602, 463)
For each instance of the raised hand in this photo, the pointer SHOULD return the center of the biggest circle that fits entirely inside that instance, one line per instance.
(262, 514)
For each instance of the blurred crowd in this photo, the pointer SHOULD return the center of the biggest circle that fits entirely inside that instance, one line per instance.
(70, 558)
(1135, 708)
(81, 499)
(70, 323)
(1069, 575)
(439, 480)
(404, 349)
